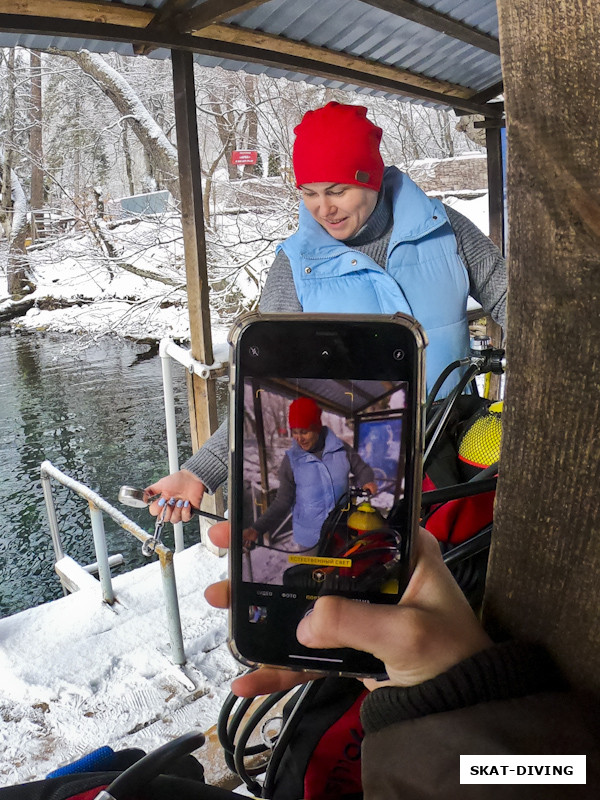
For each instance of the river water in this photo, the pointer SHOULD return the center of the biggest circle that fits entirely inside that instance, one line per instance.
(97, 414)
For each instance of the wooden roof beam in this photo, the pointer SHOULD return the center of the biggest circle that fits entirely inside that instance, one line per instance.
(83, 10)
(359, 74)
(163, 16)
(169, 10)
(430, 18)
(177, 15)
(213, 11)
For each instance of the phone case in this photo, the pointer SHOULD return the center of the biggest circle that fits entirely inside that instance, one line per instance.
(242, 326)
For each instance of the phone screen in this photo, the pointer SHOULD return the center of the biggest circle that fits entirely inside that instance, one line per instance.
(324, 488)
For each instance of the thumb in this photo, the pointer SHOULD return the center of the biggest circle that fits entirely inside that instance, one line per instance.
(340, 622)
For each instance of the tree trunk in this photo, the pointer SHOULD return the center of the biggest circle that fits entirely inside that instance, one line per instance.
(128, 162)
(446, 135)
(225, 122)
(544, 579)
(20, 281)
(161, 152)
(77, 188)
(13, 211)
(36, 151)
(252, 120)
(7, 165)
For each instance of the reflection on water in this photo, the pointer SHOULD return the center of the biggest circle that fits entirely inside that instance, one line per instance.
(96, 414)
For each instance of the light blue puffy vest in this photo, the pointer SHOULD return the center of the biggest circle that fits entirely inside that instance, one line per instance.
(425, 276)
(319, 485)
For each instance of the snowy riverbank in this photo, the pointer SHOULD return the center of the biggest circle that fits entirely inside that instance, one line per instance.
(128, 278)
(83, 289)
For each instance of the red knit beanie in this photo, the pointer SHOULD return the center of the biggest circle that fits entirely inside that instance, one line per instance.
(303, 413)
(338, 144)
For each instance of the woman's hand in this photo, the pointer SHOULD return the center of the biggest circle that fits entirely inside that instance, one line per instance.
(177, 494)
(430, 630)
(250, 538)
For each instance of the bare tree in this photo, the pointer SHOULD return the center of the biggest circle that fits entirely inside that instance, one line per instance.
(161, 153)
(36, 152)
(13, 205)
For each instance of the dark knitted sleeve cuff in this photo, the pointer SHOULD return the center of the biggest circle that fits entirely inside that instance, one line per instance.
(506, 670)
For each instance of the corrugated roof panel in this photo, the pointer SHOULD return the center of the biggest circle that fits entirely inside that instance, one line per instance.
(347, 26)
(290, 15)
(362, 30)
(476, 13)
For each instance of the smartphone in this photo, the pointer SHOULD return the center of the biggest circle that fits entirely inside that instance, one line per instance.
(326, 471)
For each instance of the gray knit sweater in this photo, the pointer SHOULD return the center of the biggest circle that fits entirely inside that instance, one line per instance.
(487, 277)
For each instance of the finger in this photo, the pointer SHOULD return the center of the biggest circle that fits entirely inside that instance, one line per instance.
(415, 643)
(431, 585)
(220, 534)
(154, 508)
(340, 622)
(167, 512)
(217, 594)
(150, 491)
(267, 680)
(175, 515)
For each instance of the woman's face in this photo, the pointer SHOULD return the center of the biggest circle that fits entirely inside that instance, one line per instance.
(341, 208)
(306, 437)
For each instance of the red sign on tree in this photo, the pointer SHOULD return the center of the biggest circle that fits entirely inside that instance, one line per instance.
(244, 156)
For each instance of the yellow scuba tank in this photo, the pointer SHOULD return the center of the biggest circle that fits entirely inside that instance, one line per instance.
(365, 518)
(479, 445)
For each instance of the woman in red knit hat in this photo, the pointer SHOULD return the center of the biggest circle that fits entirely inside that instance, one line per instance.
(368, 241)
(339, 175)
(313, 476)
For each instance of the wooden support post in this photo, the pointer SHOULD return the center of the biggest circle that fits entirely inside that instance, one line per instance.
(544, 574)
(262, 449)
(493, 143)
(496, 216)
(201, 393)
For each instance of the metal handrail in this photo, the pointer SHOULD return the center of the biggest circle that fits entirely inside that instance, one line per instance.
(167, 350)
(99, 506)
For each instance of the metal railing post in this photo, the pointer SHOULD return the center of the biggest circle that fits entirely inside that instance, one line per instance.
(51, 516)
(172, 608)
(171, 425)
(98, 506)
(101, 554)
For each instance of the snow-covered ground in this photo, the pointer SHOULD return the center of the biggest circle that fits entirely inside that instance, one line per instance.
(77, 674)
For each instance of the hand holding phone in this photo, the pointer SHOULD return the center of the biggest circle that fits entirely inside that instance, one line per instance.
(325, 475)
(430, 630)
